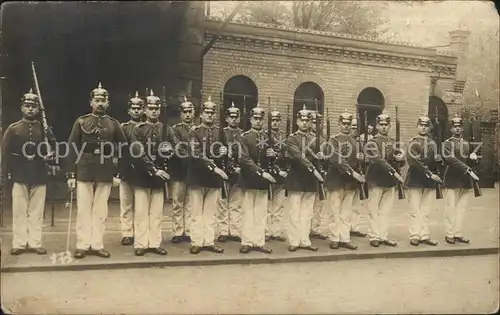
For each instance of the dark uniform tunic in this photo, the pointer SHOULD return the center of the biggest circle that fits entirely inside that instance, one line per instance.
(233, 138)
(456, 153)
(282, 160)
(343, 160)
(251, 160)
(300, 178)
(179, 163)
(421, 159)
(380, 151)
(90, 133)
(126, 166)
(158, 135)
(201, 164)
(29, 167)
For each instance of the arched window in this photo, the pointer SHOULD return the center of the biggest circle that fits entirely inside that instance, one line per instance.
(306, 94)
(372, 102)
(243, 92)
(438, 110)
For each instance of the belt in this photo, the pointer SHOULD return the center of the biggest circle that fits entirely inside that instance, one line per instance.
(95, 148)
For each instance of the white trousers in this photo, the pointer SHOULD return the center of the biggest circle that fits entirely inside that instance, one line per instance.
(28, 203)
(203, 202)
(300, 207)
(254, 206)
(229, 212)
(275, 225)
(456, 202)
(340, 201)
(92, 204)
(321, 217)
(358, 210)
(148, 215)
(420, 200)
(126, 209)
(379, 206)
(181, 213)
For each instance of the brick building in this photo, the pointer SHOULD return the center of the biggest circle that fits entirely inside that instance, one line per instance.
(251, 62)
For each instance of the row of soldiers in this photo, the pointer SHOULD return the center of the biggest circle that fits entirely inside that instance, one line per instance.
(231, 185)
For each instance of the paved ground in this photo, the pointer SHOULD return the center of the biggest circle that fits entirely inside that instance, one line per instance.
(458, 285)
(481, 226)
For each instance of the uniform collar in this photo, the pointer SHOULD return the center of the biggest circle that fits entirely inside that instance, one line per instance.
(152, 123)
(305, 133)
(28, 120)
(98, 116)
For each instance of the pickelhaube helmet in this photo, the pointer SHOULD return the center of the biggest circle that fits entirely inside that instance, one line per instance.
(275, 114)
(152, 99)
(345, 117)
(209, 105)
(457, 120)
(315, 115)
(186, 105)
(257, 111)
(384, 117)
(136, 100)
(233, 111)
(30, 98)
(99, 92)
(304, 113)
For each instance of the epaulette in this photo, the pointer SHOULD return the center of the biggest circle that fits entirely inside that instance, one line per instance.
(244, 133)
(80, 119)
(176, 125)
(142, 123)
(193, 128)
(112, 119)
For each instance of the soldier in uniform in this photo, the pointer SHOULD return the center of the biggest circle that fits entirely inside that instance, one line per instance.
(301, 183)
(421, 181)
(255, 180)
(229, 210)
(321, 215)
(204, 179)
(27, 168)
(275, 229)
(342, 182)
(457, 181)
(152, 146)
(135, 111)
(181, 213)
(93, 141)
(358, 206)
(382, 178)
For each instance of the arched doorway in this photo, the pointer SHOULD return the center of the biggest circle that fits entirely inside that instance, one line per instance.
(243, 92)
(372, 102)
(437, 109)
(306, 94)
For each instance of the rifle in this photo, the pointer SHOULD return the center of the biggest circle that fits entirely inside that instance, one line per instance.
(401, 191)
(288, 127)
(245, 114)
(363, 193)
(270, 144)
(472, 164)
(317, 162)
(222, 161)
(438, 159)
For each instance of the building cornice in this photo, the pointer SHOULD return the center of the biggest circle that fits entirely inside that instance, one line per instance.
(259, 37)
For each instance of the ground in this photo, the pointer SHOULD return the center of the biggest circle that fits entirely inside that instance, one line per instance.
(458, 285)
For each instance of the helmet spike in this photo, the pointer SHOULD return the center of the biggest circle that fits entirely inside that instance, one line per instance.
(99, 86)
(232, 104)
(31, 91)
(185, 98)
(136, 93)
(209, 98)
(151, 93)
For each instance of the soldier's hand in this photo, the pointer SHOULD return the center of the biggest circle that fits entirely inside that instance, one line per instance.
(436, 178)
(473, 175)
(399, 178)
(473, 156)
(162, 174)
(71, 183)
(360, 156)
(399, 157)
(357, 176)
(269, 177)
(221, 173)
(438, 158)
(283, 174)
(237, 170)
(222, 150)
(320, 156)
(116, 181)
(270, 152)
(318, 176)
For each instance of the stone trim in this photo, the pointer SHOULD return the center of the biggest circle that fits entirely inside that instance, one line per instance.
(235, 71)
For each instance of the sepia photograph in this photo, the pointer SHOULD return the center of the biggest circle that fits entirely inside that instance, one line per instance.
(250, 157)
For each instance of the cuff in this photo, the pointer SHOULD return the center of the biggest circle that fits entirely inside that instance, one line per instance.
(428, 174)
(260, 172)
(70, 176)
(212, 166)
(311, 169)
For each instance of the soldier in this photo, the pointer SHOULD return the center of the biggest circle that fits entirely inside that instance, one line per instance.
(457, 180)
(382, 178)
(421, 182)
(275, 229)
(301, 183)
(321, 216)
(358, 206)
(135, 111)
(229, 210)
(341, 182)
(93, 141)
(152, 145)
(181, 213)
(204, 179)
(26, 167)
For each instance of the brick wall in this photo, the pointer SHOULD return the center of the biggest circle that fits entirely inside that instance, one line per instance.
(278, 76)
